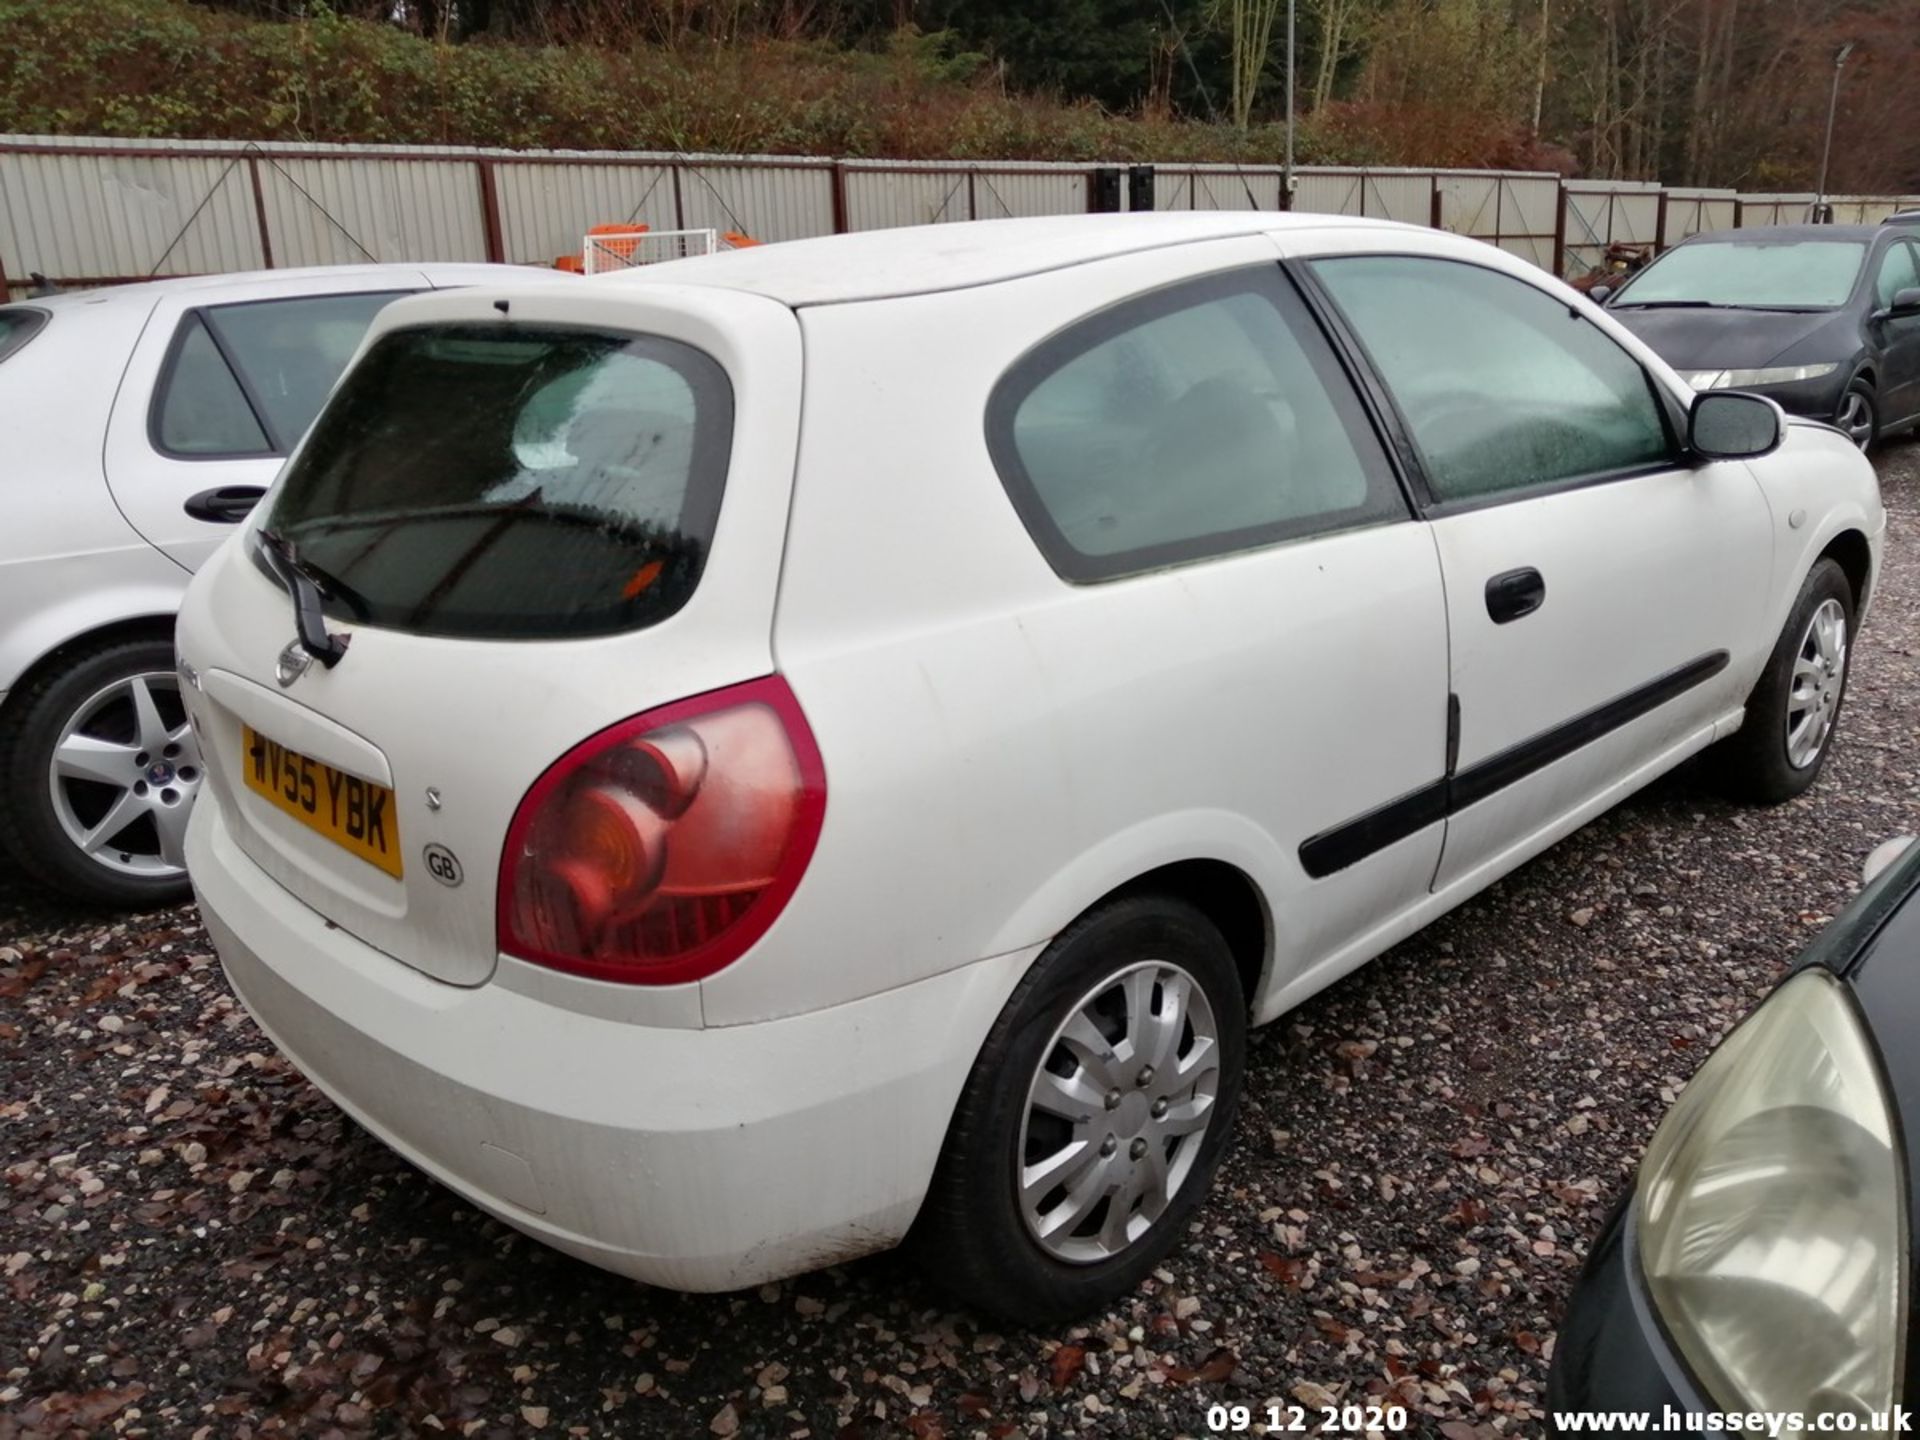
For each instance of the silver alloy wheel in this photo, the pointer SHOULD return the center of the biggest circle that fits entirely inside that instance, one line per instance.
(123, 776)
(1856, 418)
(1819, 678)
(1117, 1112)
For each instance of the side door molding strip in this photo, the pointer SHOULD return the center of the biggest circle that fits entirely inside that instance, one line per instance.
(1354, 840)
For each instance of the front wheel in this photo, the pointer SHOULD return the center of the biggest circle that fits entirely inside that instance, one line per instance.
(1794, 711)
(1858, 415)
(1094, 1117)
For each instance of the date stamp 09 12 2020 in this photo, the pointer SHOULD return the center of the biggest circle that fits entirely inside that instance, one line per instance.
(1323, 1420)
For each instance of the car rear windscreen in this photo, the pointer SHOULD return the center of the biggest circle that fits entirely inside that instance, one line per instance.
(495, 480)
(17, 326)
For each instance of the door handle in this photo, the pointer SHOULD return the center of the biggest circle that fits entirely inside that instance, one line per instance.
(225, 504)
(1515, 593)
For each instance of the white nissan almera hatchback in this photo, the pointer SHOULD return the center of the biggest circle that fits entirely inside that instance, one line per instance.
(732, 765)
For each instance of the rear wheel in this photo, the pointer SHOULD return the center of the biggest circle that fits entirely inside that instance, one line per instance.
(1094, 1118)
(100, 769)
(1858, 415)
(1794, 711)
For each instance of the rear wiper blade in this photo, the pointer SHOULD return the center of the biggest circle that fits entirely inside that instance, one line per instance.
(309, 622)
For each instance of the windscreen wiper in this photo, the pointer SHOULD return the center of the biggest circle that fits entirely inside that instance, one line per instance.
(1666, 305)
(309, 622)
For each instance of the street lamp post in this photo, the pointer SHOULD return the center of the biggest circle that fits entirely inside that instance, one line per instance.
(1826, 150)
(1286, 175)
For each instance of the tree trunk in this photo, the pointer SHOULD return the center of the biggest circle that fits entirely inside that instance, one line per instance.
(1540, 80)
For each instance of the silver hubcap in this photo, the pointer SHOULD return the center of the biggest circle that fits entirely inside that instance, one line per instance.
(1117, 1112)
(1819, 677)
(124, 774)
(1856, 418)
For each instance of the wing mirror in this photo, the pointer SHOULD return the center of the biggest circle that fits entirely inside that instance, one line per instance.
(1598, 294)
(1906, 305)
(1731, 425)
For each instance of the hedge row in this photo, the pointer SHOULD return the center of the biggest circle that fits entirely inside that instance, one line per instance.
(151, 68)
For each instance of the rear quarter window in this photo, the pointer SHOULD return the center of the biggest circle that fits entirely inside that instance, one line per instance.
(512, 481)
(18, 325)
(1198, 420)
(247, 379)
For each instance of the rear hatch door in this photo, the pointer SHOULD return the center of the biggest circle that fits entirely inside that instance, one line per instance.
(533, 515)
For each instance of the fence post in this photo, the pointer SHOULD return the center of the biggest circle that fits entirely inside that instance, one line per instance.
(1433, 201)
(1660, 223)
(679, 209)
(839, 180)
(1560, 234)
(260, 211)
(490, 212)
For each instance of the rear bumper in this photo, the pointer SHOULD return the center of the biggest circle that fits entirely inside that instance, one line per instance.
(695, 1159)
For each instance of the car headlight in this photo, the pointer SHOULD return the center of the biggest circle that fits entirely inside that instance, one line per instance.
(1771, 1214)
(1741, 379)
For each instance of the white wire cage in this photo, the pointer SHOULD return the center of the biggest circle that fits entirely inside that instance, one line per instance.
(608, 250)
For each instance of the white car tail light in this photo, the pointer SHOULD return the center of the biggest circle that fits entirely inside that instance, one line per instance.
(659, 850)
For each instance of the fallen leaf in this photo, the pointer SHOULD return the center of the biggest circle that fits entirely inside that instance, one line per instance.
(1288, 1271)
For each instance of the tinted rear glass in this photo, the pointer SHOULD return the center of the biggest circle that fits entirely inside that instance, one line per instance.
(485, 480)
(17, 327)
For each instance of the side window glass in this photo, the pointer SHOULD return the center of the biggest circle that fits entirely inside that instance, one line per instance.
(1502, 387)
(1898, 271)
(201, 409)
(17, 327)
(291, 351)
(1193, 421)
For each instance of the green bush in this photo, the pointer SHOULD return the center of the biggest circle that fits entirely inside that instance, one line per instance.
(140, 69)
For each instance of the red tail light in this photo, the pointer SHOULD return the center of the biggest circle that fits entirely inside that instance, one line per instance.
(659, 850)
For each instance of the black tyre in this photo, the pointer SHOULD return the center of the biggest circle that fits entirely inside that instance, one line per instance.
(1794, 710)
(98, 771)
(1094, 1118)
(1859, 414)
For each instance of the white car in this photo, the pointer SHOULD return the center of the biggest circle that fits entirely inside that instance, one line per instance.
(142, 422)
(807, 746)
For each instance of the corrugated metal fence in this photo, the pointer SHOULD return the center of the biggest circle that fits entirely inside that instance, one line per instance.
(83, 211)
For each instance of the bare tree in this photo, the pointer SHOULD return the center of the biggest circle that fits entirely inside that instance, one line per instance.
(1250, 37)
(1342, 26)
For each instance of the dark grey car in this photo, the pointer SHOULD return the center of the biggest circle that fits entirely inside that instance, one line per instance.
(1824, 319)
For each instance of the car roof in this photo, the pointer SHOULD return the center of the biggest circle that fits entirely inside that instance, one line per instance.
(923, 259)
(145, 292)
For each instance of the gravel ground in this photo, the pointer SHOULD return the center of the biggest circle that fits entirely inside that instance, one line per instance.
(197, 1243)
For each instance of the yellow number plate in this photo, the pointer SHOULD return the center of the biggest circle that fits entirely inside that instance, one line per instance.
(355, 814)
